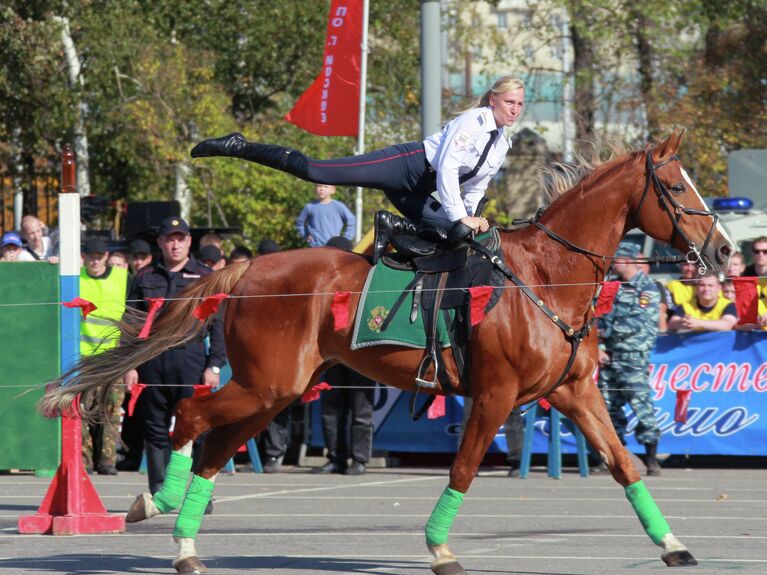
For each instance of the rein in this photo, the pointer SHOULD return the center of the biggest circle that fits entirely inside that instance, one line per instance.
(575, 336)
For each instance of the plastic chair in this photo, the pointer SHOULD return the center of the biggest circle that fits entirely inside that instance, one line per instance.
(554, 459)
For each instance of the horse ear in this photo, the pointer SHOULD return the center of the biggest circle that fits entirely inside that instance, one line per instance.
(669, 146)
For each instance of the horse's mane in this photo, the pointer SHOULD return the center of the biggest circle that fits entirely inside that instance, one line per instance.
(559, 177)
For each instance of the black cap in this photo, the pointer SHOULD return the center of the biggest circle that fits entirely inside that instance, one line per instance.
(267, 247)
(210, 253)
(173, 225)
(94, 246)
(240, 252)
(341, 243)
(139, 247)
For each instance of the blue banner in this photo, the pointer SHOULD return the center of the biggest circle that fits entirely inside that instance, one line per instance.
(726, 371)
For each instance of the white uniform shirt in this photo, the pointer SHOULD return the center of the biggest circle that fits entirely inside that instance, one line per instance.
(455, 151)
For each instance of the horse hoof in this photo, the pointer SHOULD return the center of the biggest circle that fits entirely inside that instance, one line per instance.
(141, 509)
(190, 565)
(679, 559)
(447, 568)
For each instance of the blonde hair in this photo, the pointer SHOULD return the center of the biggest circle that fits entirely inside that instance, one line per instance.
(501, 86)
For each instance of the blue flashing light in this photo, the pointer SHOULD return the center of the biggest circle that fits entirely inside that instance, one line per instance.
(732, 204)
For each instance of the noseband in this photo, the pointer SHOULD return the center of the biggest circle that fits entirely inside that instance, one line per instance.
(675, 211)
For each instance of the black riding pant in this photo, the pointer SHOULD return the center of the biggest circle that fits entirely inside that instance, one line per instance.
(401, 171)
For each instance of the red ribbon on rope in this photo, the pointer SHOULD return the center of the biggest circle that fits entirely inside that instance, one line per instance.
(201, 390)
(746, 299)
(314, 393)
(437, 408)
(135, 391)
(606, 297)
(209, 306)
(85, 306)
(340, 309)
(480, 295)
(155, 303)
(682, 403)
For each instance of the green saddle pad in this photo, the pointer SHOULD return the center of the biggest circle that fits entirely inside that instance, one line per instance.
(382, 288)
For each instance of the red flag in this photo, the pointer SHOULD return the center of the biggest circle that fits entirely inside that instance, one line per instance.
(480, 295)
(331, 105)
(682, 403)
(314, 393)
(135, 391)
(746, 299)
(155, 303)
(437, 408)
(340, 309)
(606, 297)
(85, 306)
(209, 306)
(201, 390)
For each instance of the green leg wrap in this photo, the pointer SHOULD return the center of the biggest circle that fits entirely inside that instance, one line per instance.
(647, 510)
(193, 509)
(441, 519)
(173, 488)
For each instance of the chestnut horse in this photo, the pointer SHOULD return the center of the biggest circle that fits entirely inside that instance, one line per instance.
(280, 337)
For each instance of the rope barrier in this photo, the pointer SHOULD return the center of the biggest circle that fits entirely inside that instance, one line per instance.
(331, 294)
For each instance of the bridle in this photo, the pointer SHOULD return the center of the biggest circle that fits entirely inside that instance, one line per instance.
(675, 211)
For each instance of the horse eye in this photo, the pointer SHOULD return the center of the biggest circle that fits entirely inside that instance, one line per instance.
(678, 188)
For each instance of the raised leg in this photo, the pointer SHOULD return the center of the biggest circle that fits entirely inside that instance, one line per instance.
(582, 402)
(488, 412)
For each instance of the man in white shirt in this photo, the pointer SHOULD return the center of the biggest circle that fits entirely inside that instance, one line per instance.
(39, 247)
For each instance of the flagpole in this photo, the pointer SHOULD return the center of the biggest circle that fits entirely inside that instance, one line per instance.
(361, 131)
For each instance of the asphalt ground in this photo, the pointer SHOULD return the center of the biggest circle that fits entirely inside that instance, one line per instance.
(296, 522)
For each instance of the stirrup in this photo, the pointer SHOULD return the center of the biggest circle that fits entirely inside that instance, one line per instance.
(423, 368)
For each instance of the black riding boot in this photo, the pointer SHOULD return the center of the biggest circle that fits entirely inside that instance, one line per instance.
(386, 224)
(236, 146)
(156, 462)
(650, 461)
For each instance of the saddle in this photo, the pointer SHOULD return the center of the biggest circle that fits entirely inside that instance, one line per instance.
(443, 275)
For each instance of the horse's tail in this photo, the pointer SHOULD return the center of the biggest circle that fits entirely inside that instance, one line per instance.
(94, 377)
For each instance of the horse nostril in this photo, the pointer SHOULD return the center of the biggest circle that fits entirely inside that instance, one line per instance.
(725, 250)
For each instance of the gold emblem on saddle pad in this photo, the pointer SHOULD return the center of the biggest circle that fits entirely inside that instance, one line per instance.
(377, 316)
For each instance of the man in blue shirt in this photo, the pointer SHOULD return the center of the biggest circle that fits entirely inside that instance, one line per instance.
(324, 218)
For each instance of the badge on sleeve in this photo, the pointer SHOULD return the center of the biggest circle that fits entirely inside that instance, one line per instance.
(462, 140)
(644, 298)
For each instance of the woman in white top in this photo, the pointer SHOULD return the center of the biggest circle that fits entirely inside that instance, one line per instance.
(467, 153)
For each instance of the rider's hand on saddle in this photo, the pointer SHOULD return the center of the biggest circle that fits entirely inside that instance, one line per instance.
(476, 224)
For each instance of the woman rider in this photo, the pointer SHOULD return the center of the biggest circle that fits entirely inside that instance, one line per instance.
(466, 153)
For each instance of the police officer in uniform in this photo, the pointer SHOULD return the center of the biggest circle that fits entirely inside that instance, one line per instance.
(457, 162)
(106, 287)
(170, 377)
(627, 336)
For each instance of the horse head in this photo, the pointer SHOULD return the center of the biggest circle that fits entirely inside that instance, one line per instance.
(669, 208)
